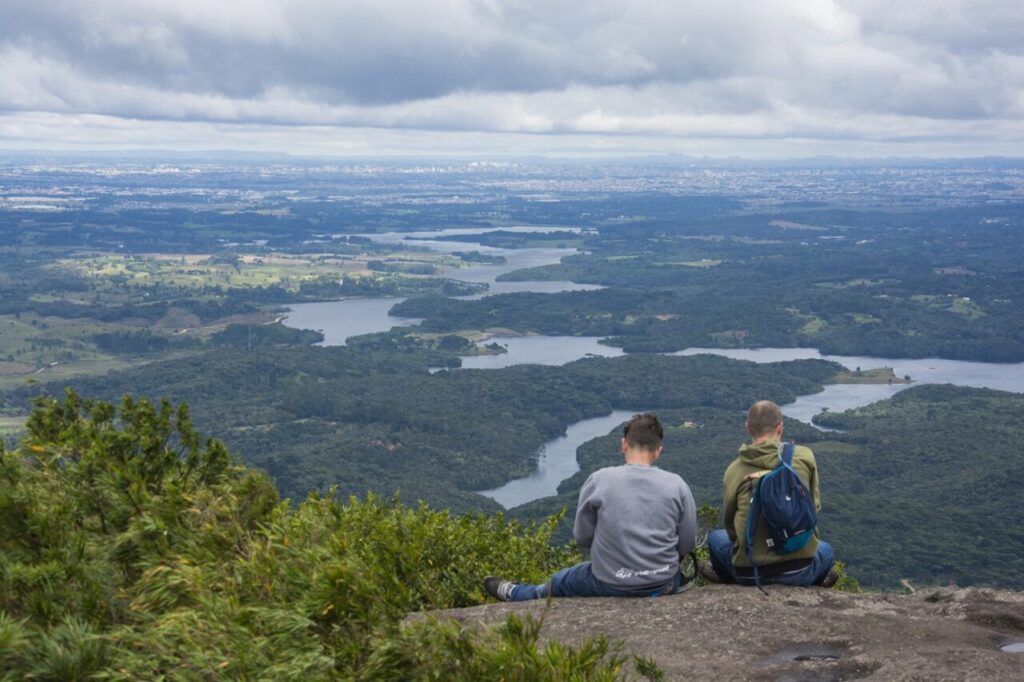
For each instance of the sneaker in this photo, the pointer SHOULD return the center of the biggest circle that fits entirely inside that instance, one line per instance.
(830, 579)
(498, 588)
(707, 571)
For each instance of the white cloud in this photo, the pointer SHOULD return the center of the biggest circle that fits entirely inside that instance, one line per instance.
(854, 71)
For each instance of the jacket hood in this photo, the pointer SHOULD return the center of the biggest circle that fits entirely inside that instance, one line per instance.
(764, 455)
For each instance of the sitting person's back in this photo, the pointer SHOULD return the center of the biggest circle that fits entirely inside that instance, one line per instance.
(731, 562)
(630, 519)
(634, 520)
(754, 460)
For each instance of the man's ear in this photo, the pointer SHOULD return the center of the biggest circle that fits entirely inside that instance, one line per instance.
(623, 446)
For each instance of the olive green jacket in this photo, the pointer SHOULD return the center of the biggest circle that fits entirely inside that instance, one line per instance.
(759, 459)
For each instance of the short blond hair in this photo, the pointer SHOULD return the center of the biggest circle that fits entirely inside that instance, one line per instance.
(763, 417)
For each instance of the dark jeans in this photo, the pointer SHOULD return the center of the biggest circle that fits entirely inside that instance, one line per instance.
(579, 581)
(721, 550)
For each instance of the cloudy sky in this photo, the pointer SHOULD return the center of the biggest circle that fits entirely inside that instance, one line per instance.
(753, 78)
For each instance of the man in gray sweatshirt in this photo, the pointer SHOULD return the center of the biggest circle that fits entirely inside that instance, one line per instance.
(634, 520)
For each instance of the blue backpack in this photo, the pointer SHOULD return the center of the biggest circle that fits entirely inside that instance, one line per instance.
(785, 504)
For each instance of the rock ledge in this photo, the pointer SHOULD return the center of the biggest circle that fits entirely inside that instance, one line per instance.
(724, 632)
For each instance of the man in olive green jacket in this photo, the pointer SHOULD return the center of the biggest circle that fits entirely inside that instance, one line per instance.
(809, 565)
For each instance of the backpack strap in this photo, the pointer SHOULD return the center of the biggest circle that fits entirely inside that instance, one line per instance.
(753, 515)
(786, 453)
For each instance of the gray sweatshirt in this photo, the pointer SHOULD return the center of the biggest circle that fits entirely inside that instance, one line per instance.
(635, 521)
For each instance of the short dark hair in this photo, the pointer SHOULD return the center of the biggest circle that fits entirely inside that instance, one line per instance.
(643, 431)
(763, 417)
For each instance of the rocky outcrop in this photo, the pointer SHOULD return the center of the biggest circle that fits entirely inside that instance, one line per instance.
(721, 632)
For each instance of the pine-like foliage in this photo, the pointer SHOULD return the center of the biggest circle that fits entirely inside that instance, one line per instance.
(131, 548)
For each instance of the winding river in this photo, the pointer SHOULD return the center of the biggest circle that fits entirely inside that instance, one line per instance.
(556, 461)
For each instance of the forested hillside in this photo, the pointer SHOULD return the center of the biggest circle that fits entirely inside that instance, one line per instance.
(364, 421)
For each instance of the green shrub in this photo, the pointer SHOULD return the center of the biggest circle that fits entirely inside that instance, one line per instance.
(846, 582)
(445, 650)
(14, 643)
(130, 548)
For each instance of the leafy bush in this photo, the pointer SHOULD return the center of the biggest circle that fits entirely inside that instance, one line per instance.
(447, 651)
(846, 582)
(130, 548)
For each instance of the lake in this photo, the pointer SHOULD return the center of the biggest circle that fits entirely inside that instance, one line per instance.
(559, 350)
(556, 459)
(540, 350)
(339, 320)
(839, 397)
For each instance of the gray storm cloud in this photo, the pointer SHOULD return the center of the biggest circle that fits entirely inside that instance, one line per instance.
(853, 69)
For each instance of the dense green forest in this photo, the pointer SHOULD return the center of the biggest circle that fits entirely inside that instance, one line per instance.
(909, 284)
(133, 548)
(379, 421)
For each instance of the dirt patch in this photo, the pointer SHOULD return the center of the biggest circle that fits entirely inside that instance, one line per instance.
(15, 368)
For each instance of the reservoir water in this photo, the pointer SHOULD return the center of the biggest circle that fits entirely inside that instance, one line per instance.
(515, 259)
(540, 350)
(350, 317)
(339, 320)
(839, 397)
(557, 459)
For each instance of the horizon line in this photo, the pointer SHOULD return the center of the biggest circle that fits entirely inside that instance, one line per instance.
(141, 152)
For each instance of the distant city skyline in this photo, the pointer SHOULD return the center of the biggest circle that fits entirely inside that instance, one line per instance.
(361, 78)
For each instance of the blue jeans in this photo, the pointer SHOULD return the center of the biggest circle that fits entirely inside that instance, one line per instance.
(579, 581)
(721, 549)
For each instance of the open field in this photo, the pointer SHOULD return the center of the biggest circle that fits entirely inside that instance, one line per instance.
(29, 341)
(960, 305)
(861, 318)
(857, 282)
(116, 309)
(122, 274)
(93, 366)
(198, 271)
